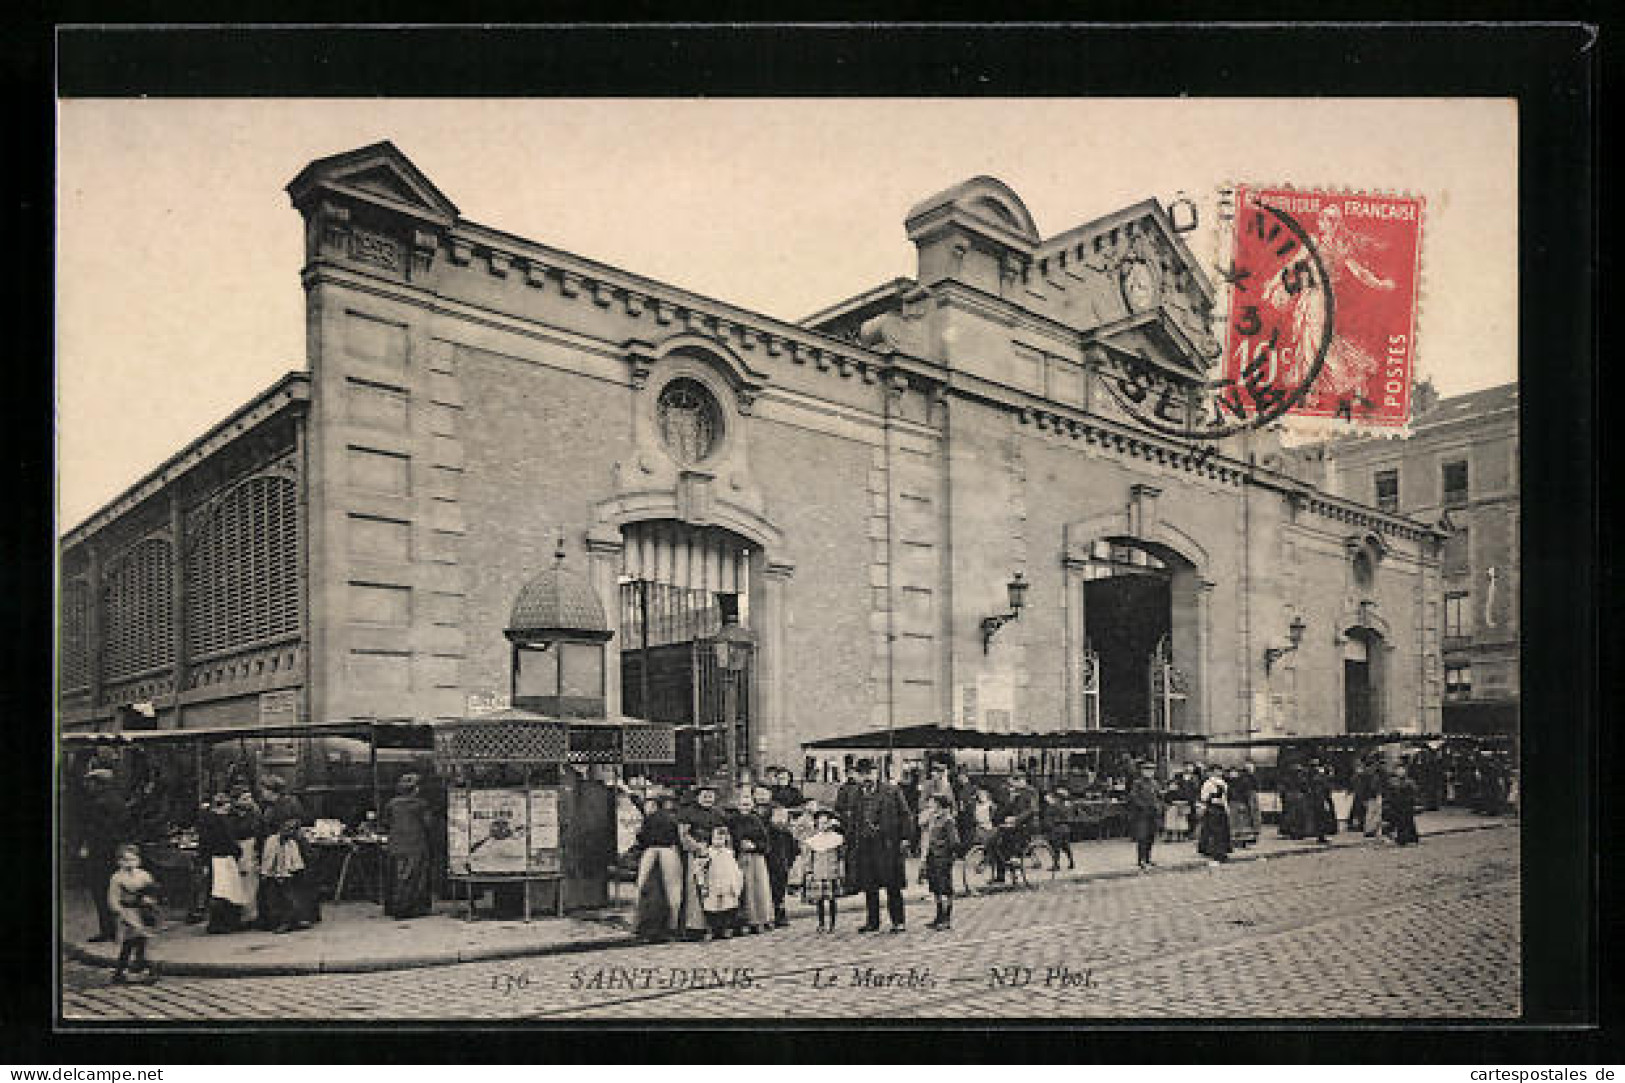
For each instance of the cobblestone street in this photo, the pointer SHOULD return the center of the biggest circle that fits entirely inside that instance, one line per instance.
(1431, 931)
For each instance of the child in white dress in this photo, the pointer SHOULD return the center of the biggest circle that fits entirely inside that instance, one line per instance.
(721, 883)
(823, 853)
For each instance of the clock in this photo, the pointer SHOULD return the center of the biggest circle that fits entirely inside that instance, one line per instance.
(1142, 284)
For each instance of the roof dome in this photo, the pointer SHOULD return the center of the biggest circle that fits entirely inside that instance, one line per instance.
(558, 604)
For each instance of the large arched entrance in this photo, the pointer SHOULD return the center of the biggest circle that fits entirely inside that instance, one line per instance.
(1141, 635)
(688, 654)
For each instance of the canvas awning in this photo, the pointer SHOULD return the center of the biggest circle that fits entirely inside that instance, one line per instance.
(953, 737)
(1327, 741)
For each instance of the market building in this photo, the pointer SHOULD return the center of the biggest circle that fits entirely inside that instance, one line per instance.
(922, 504)
(1457, 468)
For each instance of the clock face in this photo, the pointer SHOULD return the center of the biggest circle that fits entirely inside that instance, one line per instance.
(1141, 284)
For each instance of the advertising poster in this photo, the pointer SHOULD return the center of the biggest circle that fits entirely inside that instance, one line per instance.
(497, 828)
(544, 830)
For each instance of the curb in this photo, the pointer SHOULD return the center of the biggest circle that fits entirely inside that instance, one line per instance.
(575, 947)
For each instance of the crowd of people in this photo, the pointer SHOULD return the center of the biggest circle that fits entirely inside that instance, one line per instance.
(705, 870)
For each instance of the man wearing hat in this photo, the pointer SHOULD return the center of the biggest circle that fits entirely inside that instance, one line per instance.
(1145, 812)
(879, 824)
(411, 827)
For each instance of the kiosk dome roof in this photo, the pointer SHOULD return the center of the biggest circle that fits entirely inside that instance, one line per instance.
(557, 604)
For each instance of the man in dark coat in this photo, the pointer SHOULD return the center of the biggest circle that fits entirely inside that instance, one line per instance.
(1319, 814)
(846, 810)
(1145, 813)
(878, 827)
(1360, 789)
(410, 825)
(1399, 806)
(104, 826)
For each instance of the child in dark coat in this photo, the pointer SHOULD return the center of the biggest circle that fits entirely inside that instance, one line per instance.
(782, 849)
(939, 846)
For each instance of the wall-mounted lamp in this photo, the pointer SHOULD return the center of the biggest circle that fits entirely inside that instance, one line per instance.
(1018, 598)
(1295, 640)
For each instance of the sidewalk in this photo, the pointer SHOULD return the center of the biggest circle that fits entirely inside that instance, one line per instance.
(357, 936)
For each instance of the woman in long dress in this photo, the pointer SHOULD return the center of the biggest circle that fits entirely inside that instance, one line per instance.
(749, 834)
(1214, 840)
(247, 829)
(697, 821)
(1243, 823)
(216, 846)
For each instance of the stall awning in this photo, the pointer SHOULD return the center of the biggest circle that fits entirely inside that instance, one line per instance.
(1327, 741)
(952, 737)
(231, 733)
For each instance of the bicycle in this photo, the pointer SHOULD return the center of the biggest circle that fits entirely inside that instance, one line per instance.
(976, 869)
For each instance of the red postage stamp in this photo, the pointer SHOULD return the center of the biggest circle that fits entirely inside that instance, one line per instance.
(1323, 302)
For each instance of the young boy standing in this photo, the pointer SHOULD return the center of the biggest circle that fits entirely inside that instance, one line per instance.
(939, 847)
(132, 895)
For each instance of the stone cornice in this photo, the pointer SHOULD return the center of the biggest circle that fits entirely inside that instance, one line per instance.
(606, 286)
(291, 391)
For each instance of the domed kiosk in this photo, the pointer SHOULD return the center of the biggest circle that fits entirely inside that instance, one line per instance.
(531, 805)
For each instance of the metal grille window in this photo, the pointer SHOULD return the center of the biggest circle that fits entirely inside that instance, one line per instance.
(690, 422)
(140, 620)
(76, 635)
(1387, 486)
(242, 574)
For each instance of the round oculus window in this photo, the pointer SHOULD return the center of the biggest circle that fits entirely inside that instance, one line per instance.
(690, 420)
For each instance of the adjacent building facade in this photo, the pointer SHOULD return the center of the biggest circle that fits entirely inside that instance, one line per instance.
(1459, 468)
(842, 502)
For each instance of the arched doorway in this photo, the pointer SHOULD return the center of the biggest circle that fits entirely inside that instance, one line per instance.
(1141, 634)
(688, 653)
(1362, 680)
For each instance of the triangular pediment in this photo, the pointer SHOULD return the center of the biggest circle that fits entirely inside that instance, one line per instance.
(379, 174)
(1157, 339)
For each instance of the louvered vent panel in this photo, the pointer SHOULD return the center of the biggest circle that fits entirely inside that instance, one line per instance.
(75, 635)
(140, 622)
(243, 572)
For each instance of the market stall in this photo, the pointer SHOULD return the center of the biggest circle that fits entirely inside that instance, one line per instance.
(1094, 765)
(337, 771)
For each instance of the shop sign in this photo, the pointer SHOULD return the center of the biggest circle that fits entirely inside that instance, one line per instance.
(484, 703)
(279, 708)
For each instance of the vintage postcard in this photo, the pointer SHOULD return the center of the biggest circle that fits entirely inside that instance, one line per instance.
(788, 559)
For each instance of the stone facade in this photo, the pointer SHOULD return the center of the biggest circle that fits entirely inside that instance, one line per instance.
(1459, 466)
(879, 471)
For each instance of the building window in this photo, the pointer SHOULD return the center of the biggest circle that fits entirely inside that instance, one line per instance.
(1457, 616)
(242, 573)
(690, 421)
(1454, 480)
(1458, 681)
(140, 618)
(1387, 485)
(1456, 558)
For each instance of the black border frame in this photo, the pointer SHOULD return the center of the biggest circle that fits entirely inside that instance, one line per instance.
(1551, 70)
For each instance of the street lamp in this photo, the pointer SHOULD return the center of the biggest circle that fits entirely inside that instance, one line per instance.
(1295, 640)
(1017, 590)
(731, 650)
